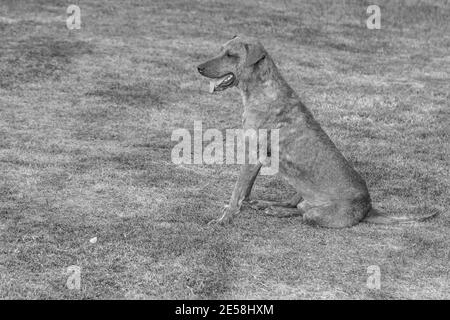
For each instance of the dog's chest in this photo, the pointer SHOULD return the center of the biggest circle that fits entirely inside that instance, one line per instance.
(260, 117)
(261, 107)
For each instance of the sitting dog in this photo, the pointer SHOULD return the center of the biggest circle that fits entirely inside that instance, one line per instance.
(330, 193)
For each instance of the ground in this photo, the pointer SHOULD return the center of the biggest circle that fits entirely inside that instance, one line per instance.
(86, 118)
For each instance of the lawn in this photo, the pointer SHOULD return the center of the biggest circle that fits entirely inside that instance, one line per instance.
(86, 118)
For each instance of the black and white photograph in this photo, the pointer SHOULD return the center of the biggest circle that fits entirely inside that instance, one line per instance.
(220, 150)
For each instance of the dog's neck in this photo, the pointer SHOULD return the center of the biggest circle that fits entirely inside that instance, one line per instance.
(264, 84)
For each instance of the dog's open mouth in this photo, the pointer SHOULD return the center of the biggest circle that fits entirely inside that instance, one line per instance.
(219, 84)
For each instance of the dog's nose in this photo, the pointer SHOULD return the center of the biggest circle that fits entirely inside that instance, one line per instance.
(201, 69)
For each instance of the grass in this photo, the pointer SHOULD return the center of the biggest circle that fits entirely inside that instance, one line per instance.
(86, 118)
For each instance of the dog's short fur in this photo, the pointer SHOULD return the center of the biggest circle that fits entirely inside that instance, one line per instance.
(333, 193)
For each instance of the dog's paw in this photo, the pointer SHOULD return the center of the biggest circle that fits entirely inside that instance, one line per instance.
(226, 218)
(256, 205)
(216, 222)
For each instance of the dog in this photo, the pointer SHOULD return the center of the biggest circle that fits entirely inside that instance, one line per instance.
(330, 193)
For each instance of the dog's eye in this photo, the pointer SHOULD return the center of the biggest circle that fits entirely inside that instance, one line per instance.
(229, 55)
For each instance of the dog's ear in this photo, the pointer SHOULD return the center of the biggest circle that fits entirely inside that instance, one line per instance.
(255, 53)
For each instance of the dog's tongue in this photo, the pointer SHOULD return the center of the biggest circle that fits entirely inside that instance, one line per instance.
(214, 83)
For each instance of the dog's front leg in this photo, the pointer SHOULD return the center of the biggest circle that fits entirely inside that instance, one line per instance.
(243, 185)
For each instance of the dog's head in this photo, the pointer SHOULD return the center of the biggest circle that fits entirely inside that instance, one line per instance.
(235, 63)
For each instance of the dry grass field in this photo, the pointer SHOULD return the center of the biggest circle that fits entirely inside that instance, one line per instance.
(86, 118)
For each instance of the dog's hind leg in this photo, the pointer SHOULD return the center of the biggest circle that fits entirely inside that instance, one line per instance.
(264, 204)
(281, 209)
(336, 214)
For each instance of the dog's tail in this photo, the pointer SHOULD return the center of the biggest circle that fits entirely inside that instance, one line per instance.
(376, 217)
